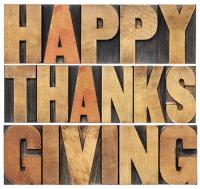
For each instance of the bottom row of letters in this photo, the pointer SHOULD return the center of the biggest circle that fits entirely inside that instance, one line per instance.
(100, 154)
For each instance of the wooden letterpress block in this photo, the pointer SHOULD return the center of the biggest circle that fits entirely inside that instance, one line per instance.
(90, 33)
(146, 94)
(121, 98)
(110, 154)
(85, 92)
(131, 149)
(20, 74)
(12, 156)
(130, 31)
(177, 24)
(80, 160)
(181, 106)
(61, 30)
(45, 94)
(50, 156)
(31, 34)
(187, 172)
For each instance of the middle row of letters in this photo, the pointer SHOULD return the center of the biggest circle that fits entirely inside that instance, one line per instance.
(100, 94)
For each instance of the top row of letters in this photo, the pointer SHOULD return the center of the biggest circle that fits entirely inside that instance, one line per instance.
(90, 34)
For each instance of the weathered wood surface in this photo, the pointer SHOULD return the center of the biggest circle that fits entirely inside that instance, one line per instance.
(103, 143)
(28, 169)
(62, 32)
(111, 94)
(22, 34)
(20, 75)
(152, 50)
(175, 76)
(49, 94)
(169, 138)
(50, 160)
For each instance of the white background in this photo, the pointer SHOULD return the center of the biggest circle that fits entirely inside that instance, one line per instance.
(197, 2)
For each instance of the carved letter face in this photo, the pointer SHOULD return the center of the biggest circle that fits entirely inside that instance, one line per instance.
(95, 94)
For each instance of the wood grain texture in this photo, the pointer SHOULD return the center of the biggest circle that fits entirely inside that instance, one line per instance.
(50, 156)
(154, 50)
(110, 154)
(190, 40)
(85, 99)
(61, 31)
(174, 143)
(181, 108)
(132, 150)
(130, 30)
(106, 31)
(80, 159)
(147, 50)
(162, 39)
(156, 94)
(146, 95)
(177, 24)
(122, 99)
(20, 75)
(31, 34)
(46, 93)
(183, 169)
(29, 170)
